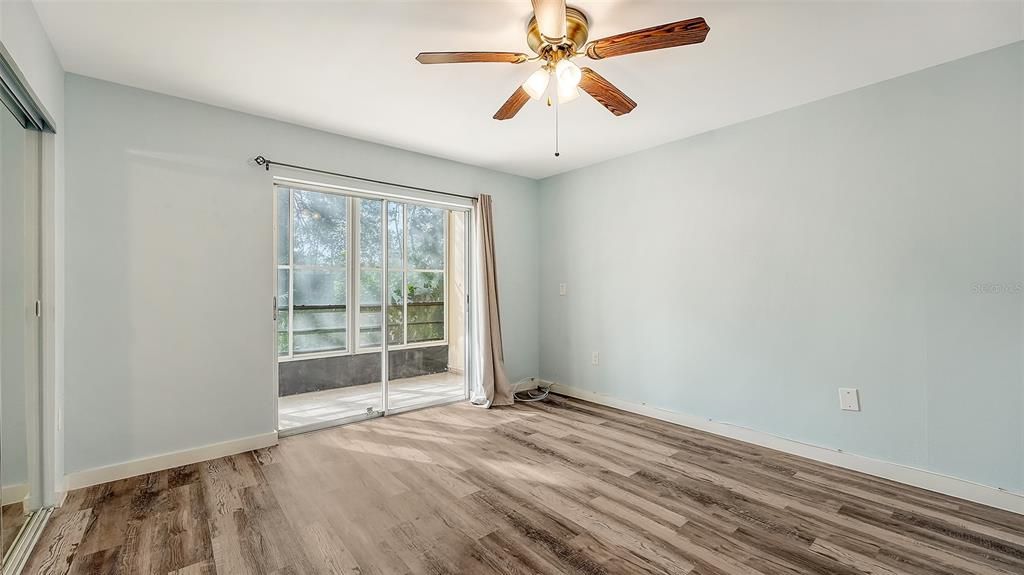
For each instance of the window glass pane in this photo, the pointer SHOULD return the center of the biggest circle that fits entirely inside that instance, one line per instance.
(282, 226)
(317, 331)
(395, 236)
(320, 288)
(370, 231)
(320, 235)
(319, 312)
(426, 237)
(396, 314)
(415, 310)
(371, 296)
(426, 306)
(282, 312)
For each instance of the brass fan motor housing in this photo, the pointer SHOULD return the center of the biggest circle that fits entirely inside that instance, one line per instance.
(577, 28)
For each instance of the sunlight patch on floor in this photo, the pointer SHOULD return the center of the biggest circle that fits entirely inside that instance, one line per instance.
(325, 406)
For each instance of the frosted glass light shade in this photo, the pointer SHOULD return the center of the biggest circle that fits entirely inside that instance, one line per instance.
(537, 83)
(568, 74)
(567, 93)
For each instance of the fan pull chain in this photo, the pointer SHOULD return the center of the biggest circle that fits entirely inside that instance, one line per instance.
(555, 100)
(556, 128)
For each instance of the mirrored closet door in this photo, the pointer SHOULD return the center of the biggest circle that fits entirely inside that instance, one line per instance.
(20, 337)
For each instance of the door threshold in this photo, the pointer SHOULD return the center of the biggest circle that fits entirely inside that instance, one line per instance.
(420, 406)
(299, 429)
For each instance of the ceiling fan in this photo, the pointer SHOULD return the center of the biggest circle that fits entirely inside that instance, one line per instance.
(558, 33)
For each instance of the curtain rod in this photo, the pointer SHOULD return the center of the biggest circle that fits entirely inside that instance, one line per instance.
(262, 161)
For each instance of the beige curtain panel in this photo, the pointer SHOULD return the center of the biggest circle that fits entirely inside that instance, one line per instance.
(494, 386)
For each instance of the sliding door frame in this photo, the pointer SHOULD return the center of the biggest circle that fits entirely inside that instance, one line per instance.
(396, 194)
(349, 349)
(466, 316)
(39, 406)
(34, 299)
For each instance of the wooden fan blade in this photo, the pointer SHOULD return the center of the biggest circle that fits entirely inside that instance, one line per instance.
(511, 107)
(692, 31)
(470, 57)
(550, 18)
(606, 93)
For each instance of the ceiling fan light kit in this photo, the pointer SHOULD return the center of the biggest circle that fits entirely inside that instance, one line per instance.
(558, 33)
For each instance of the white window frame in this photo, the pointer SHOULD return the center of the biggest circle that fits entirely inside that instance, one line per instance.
(353, 270)
(406, 270)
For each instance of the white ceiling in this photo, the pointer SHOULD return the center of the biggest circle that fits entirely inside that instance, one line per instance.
(348, 67)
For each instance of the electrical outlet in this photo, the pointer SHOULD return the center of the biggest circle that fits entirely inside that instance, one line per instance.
(561, 289)
(595, 358)
(849, 399)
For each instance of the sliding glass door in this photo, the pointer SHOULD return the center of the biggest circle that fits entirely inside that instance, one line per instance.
(426, 262)
(329, 259)
(364, 288)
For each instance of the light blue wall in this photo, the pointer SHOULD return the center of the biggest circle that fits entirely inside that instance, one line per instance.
(169, 265)
(869, 240)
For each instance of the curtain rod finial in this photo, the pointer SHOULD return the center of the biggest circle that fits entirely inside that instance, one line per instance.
(261, 161)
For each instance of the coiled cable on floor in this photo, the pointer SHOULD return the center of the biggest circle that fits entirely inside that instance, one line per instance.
(539, 393)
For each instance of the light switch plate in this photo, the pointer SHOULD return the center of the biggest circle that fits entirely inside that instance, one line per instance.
(561, 289)
(595, 358)
(849, 399)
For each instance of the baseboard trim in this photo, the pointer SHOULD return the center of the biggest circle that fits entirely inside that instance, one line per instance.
(89, 477)
(930, 480)
(13, 493)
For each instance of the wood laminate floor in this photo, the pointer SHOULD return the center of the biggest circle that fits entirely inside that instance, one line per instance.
(560, 487)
